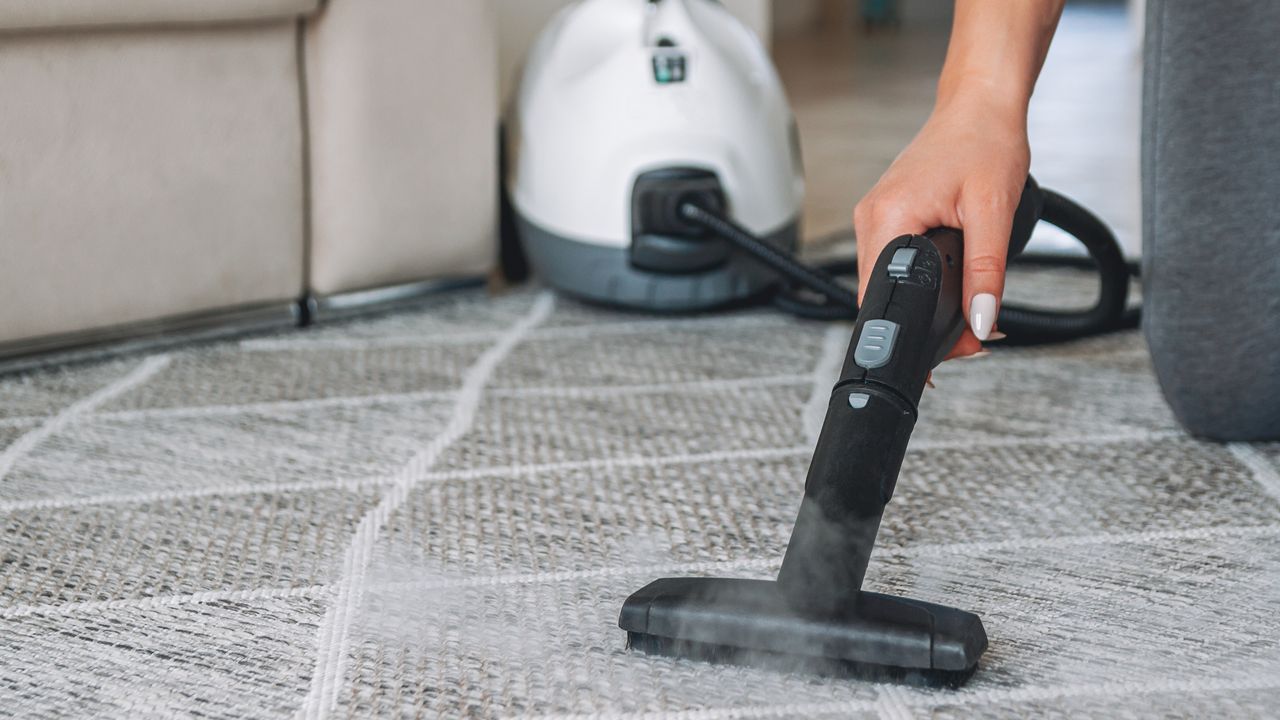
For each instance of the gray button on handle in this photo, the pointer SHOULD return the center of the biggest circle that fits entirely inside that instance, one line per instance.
(903, 260)
(875, 345)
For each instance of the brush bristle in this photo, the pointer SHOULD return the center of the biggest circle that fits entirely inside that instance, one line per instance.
(828, 667)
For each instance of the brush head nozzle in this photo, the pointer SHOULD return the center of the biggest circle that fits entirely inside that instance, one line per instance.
(751, 622)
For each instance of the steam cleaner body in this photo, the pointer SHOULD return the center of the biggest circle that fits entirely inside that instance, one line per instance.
(654, 165)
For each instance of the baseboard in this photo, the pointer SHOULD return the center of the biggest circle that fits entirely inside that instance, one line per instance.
(149, 335)
(325, 308)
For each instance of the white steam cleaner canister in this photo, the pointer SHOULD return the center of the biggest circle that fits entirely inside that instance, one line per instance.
(628, 106)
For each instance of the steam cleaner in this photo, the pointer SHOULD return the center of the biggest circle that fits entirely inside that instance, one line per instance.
(653, 164)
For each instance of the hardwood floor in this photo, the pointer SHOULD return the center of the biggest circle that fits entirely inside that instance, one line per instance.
(859, 98)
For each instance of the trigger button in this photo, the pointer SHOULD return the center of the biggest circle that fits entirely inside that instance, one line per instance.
(903, 260)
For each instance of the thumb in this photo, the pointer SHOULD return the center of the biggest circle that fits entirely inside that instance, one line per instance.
(987, 224)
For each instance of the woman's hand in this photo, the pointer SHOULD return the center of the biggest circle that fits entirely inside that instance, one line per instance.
(967, 166)
(965, 169)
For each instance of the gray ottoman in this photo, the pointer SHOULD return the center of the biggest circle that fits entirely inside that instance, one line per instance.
(1211, 212)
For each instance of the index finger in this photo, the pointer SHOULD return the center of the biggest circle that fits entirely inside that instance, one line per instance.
(875, 229)
(987, 222)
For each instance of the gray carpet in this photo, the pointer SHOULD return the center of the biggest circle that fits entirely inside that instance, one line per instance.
(439, 513)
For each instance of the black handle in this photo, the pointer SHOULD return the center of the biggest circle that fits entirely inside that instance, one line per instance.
(910, 318)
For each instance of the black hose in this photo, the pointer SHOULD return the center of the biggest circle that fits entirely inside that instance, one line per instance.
(1026, 326)
(780, 261)
(814, 292)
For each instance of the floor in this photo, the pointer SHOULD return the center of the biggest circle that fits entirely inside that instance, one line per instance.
(439, 513)
(859, 99)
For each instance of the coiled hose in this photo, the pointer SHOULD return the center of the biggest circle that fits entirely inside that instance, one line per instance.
(1024, 326)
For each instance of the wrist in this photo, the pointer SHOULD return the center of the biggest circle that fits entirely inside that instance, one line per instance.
(996, 95)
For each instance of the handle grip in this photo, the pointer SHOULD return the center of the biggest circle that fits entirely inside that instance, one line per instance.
(912, 305)
(910, 318)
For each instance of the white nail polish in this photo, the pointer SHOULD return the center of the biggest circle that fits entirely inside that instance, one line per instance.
(982, 314)
(976, 356)
(997, 335)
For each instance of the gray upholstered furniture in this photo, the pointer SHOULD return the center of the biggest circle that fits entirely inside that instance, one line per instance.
(1211, 216)
(190, 163)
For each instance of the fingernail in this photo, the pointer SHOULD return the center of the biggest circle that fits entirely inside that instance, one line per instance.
(997, 335)
(975, 356)
(982, 315)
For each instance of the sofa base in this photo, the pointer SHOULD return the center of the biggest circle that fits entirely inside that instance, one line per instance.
(149, 335)
(324, 308)
(152, 335)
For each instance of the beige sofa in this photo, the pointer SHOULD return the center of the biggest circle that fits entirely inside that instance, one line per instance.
(203, 166)
(194, 163)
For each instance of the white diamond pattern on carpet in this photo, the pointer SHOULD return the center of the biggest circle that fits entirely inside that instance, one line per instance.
(438, 513)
